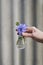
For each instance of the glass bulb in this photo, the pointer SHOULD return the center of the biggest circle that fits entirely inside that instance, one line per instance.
(21, 42)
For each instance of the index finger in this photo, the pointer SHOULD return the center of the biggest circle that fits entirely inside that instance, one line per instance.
(29, 29)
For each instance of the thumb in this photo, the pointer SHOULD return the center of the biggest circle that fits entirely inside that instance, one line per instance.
(27, 34)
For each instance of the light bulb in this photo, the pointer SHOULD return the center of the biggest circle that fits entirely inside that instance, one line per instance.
(20, 42)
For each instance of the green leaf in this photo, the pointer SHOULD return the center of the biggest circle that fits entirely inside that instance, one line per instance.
(20, 38)
(17, 23)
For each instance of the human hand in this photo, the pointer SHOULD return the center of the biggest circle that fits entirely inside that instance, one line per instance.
(34, 33)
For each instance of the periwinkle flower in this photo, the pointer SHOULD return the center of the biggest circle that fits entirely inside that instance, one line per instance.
(21, 28)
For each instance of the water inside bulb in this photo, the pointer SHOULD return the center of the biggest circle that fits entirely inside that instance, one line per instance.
(20, 42)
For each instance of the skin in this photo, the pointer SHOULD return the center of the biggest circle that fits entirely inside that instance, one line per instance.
(34, 33)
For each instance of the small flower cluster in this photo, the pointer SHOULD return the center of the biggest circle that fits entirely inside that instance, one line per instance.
(21, 28)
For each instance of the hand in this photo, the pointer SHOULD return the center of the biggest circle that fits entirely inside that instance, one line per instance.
(34, 33)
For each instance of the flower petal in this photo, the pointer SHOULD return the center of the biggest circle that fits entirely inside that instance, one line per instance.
(21, 28)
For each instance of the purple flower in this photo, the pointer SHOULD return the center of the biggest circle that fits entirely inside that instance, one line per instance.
(21, 28)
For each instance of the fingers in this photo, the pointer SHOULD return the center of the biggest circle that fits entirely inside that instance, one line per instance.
(29, 30)
(27, 34)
